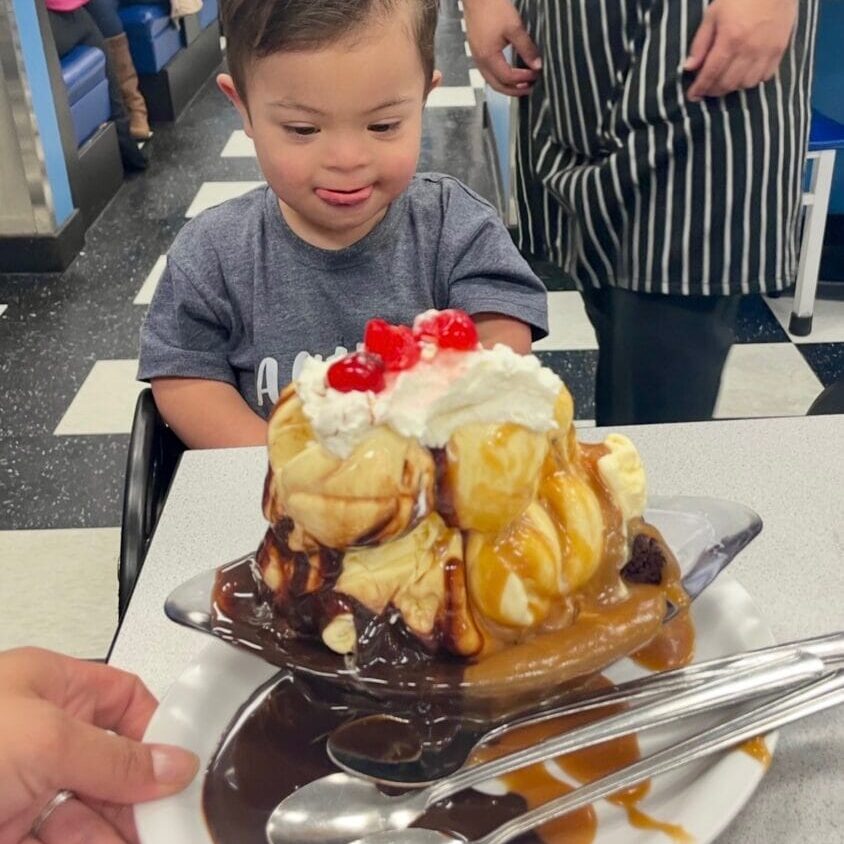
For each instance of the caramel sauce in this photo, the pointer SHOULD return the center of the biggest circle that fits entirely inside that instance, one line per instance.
(672, 647)
(758, 749)
(537, 786)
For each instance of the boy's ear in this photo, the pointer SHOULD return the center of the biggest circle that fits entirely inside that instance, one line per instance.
(436, 79)
(226, 84)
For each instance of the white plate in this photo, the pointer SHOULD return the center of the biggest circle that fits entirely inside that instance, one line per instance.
(702, 798)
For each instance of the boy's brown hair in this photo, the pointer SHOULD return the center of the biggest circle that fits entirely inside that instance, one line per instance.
(255, 29)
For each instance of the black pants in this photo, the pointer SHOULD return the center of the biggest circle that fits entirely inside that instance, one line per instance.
(660, 357)
(77, 28)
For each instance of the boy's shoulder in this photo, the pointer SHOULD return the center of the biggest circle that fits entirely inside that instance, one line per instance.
(446, 193)
(222, 227)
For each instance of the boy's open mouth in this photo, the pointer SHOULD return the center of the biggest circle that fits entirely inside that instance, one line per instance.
(344, 197)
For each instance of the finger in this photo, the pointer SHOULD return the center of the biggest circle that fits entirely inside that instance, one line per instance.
(717, 61)
(122, 818)
(121, 701)
(504, 73)
(524, 46)
(701, 43)
(75, 823)
(103, 766)
(733, 78)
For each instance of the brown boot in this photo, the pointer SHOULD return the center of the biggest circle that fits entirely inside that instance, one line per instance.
(124, 67)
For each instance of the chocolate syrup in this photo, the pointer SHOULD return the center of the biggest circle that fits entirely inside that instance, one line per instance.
(273, 748)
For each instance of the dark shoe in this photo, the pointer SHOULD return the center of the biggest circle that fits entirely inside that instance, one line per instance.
(133, 158)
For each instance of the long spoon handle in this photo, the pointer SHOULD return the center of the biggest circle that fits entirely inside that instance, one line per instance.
(741, 685)
(815, 698)
(829, 648)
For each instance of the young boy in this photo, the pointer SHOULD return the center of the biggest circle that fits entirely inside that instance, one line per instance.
(332, 94)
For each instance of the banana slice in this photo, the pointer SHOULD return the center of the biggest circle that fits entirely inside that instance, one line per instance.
(515, 576)
(374, 495)
(493, 473)
(578, 510)
(415, 575)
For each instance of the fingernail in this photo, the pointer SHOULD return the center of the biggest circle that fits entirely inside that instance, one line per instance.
(172, 765)
(536, 64)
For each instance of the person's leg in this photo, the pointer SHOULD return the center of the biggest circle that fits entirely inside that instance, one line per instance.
(104, 13)
(133, 158)
(660, 357)
(68, 31)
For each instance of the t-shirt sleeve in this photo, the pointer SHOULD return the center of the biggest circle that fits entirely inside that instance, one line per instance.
(486, 273)
(188, 328)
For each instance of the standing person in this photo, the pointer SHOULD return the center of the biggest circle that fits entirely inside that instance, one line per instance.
(661, 147)
(72, 26)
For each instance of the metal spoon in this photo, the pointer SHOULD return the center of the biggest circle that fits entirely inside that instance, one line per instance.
(815, 698)
(338, 808)
(404, 759)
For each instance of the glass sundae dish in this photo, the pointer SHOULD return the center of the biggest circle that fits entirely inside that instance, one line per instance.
(433, 521)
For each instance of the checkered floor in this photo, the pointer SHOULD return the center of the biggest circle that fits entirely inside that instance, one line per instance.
(68, 347)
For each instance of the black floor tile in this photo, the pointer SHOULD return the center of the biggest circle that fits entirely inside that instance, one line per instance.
(826, 359)
(61, 482)
(577, 369)
(757, 324)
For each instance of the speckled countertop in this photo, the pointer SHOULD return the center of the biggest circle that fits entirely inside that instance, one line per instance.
(791, 471)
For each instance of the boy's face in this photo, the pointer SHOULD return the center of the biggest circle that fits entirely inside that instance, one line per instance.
(337, 130)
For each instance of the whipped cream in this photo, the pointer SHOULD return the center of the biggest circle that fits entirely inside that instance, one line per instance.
(442, 392)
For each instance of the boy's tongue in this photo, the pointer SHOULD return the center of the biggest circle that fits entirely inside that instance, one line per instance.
(337, 197)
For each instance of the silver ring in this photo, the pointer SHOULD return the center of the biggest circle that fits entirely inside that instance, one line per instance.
(61, 798)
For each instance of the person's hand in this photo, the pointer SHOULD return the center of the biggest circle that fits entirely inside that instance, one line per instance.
(739, 45)
(55, 718)
(492, 25)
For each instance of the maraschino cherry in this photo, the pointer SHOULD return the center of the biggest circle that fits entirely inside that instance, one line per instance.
(357, 371)
(449, 329)
(393, 343)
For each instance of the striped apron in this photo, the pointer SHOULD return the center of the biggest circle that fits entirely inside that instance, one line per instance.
(622, 181)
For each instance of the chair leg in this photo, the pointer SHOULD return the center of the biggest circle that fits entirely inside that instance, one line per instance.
(814, 227)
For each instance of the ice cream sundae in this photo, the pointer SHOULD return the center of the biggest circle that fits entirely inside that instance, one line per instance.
(428, 500)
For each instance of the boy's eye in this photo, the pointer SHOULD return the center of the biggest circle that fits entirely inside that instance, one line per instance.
(383, 128)
(301, 131)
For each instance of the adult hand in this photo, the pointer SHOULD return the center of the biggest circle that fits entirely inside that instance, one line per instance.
(491, 26)
(739, 45)
(55, 718)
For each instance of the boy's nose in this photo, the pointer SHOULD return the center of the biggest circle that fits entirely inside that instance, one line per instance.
(348, 156)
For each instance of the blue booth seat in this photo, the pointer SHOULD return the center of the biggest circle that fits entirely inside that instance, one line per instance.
(209, 12)
(153, 37)
(84, 74)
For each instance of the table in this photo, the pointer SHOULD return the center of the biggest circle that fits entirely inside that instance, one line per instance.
(791, 471)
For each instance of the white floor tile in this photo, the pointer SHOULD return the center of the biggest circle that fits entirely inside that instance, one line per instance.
(2, 309)
(58, 589)
(105, 403)
(222, 42)
(239, 145)
(454, 95)
(468, 48)
(766, 379)
(144, 296)
(476, 78)
(463, 24)
(827, 325)
(213, 193)
(569, 326)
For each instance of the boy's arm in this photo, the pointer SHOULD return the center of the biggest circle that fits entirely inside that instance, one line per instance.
(495, 328)
(208, 414)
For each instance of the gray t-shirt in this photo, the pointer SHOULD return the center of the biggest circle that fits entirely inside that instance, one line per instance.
(242, 297)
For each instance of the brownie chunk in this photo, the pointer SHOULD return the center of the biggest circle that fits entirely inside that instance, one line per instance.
(647, 560)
